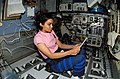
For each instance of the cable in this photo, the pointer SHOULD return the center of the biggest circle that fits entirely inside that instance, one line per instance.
(23, 47)
(11, 35)
(25, 26)
(8, 42)
(5, 48)
(7, 28)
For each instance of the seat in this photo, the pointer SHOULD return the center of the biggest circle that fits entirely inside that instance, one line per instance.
(49, 69)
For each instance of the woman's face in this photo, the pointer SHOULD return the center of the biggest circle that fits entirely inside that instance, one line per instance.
(47, 26)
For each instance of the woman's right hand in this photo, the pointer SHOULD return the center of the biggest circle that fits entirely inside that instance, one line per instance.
(75, 50)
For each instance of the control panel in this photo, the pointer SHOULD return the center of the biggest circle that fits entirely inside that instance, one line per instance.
(87, 25)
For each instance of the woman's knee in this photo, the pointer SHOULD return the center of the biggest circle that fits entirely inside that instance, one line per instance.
(83, 52)
(78, 59)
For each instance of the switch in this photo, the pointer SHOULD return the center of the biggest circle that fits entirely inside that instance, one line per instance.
(95, 72)
(27, 65)
(103, 73)
(34, 61)
(39, 67)
(52, 76)
(17, 70)
(96, 65)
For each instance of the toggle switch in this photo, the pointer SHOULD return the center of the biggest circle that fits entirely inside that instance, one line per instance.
(97, 59)
(39, 67)
(67, 74)
(96, 65)
(34, 61)
(103, 73)
(97, 54)
(27, 65)
(52, 76)
(17, 70)
(95, 72)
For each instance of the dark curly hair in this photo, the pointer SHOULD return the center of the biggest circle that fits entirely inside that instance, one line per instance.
(42, 18)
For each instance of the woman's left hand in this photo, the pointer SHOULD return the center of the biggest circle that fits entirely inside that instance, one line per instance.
(77, 45)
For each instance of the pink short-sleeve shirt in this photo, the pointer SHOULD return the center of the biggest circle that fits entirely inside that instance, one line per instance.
(47, 38)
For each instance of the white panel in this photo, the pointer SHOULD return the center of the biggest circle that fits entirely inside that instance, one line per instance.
(30, 11)
(93, 2)
(12, 9)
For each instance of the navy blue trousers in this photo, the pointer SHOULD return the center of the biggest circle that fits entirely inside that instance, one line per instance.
(76, 63)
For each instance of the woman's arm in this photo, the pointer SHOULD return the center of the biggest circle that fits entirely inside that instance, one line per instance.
(65, 46)
(44, 49)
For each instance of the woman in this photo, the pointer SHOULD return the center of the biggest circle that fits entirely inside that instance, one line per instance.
(48, 45)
